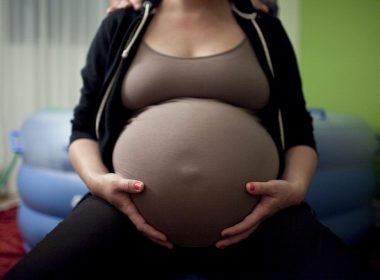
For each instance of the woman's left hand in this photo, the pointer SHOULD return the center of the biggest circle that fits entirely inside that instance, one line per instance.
(275, 196)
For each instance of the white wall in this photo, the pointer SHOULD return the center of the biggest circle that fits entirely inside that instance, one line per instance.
(42, 50)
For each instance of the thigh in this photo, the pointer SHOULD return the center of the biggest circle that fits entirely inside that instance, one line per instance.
(95, 239)
(293, 244)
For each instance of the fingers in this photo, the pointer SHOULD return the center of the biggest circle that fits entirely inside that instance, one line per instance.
(134, 186)
(262, 188)
(114, 5)
(252, 220)
(124, 4)
(129, 209)
(146, 229)
(130, 186)
(234, 239)
(117, 192)
(243, 229)
(260, 6)
(165, 244)
(136, 4)
(263, 210)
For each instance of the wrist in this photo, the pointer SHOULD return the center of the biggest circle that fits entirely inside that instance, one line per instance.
(92, 180)
(300, 188)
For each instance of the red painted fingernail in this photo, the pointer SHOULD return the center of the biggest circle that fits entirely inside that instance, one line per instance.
(252, 187)
(222, 246)
(137, 186)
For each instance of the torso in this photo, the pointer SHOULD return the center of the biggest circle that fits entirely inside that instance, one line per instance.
(195, 140)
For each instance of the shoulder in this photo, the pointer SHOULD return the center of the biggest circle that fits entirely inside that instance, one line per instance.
(268, 22)
(273, 31)
(121, 15)
(119, 18)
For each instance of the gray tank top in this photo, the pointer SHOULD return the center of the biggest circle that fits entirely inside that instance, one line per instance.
(195, 140)
(234, 76)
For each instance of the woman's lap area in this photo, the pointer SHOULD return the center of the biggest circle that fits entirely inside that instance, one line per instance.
(97, 240)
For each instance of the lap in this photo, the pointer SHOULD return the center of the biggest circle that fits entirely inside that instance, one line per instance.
(98, 239)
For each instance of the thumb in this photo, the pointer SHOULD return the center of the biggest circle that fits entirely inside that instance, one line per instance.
(131, 186)
(259, 188)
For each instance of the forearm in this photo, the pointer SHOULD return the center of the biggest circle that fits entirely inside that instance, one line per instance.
(300, 166)
(85, 158)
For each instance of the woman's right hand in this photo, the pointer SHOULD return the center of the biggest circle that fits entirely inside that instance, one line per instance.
(85, 158)
(116, 190)
(123, 4)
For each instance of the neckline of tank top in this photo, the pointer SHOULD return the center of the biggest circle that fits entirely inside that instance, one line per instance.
(235, 48)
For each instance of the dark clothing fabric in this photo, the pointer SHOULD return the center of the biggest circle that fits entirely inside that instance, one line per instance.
(104, 62)
(96, 241)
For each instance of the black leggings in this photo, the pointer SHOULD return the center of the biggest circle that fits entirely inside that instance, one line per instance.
(96, 241)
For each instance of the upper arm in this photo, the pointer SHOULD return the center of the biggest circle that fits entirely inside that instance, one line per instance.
(297, 122)
(93, 75)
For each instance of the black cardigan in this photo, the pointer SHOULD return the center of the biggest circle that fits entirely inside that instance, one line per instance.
(104, 56)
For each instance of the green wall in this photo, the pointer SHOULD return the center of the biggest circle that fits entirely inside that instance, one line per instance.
(340, 56)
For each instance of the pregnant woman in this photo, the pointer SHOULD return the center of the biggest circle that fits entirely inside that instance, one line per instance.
(193, 138)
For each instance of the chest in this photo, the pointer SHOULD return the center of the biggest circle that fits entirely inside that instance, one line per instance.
(234, 76)
(192, 37)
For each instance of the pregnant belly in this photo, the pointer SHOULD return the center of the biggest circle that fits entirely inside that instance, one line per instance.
(195, 157)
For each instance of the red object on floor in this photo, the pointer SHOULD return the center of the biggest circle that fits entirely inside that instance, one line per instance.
(11, 249)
